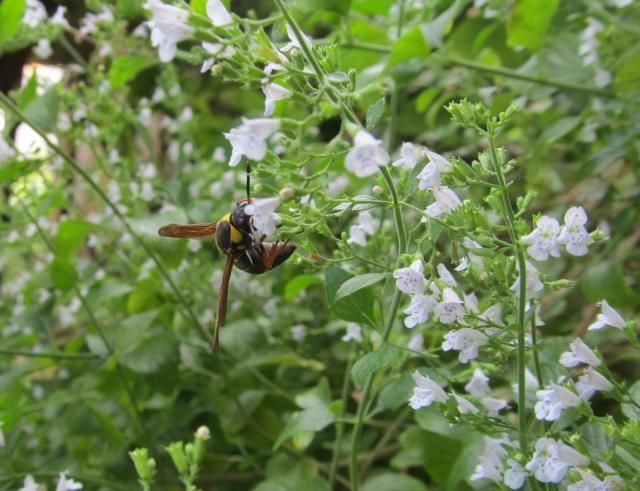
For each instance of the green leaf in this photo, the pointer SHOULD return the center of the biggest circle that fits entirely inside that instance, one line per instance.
(632, 411)
(358, 283)
(559, 129)
(626, 78)
(199, 6)
(435, 30)
(371, 8)
(412, 44)
(43, 111)
(397, 392)
(313, 419)
(71, 236)
(317, 396)
(354, 308)
(12, 171)
(124, 68)
(606, 281)
(529, 22)
(152, 354)
(372, 362)
(11, 12)
(63, 273)
(374, 113)
(106, 290)
(393, 481)
(300, 283)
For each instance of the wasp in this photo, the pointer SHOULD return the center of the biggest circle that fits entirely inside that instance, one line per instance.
(244, 246)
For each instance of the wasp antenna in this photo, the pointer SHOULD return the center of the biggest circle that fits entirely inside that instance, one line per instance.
(248, 181)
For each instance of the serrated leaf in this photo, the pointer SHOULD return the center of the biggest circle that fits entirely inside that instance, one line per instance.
(354, 308)
(125, 68)
(63, 273)
(529, 22)
(374, 113)
(71, 236)
(370, 363)
(357, 283)
(43, 110)
(11, 12)
(313, 419)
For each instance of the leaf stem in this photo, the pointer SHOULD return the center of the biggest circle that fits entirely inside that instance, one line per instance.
(344, 394)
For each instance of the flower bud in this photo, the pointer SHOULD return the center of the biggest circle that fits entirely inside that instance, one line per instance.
(287, 193)
(377, 189)
(203, 433)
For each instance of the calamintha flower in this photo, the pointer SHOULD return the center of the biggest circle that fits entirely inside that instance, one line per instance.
(466, 340)
(579, 353)
(250, 139)
(419, 309)
(354, 333)
(169, 26)
(410, 154)
(552, 400)
(264, 220)
(607, 317)
(426, 392)
(479, 384)
(366, 155)
(543, 240)
(446, 201)
(272, 93)
(590, 382)
(410, 280)
(552, 459)
(574, 235)
(218, 13)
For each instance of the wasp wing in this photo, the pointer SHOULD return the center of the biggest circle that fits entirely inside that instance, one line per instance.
(192, 231)
(221, 311)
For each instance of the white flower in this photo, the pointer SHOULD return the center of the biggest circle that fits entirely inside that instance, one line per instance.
(580, 353)
(426, 392)
(607, 317)
(354, 333)
(429, 177)
(419, 309)
(471, 302)
(43, 49)
(410, 280)
(90, 21)
(574, 235)
(515, 475)
(451, 308)
(553, 400)
(218, 14)
(169, 26)
(65, 484)
(293, 40)
(273, 93)
(620, 3)
(298, 332)
(589, 41)
(366, 155)
(446, 201)
(465, 406)
(30, 484)
(357, 236)
(250, 139)
(264, 219)
(2, 440)
(533, 284)
(552, 460)
(34, 13)
(479, 384)
(445, 275)
(492, 319)
(59, 18)
(494, 406)
(590, 382)
(216, 50)
(416, 342)
(467, 341)
(490, 465)
(6, 152)
(589, 482)
(366, 223)
(410, 154)
(543, 240)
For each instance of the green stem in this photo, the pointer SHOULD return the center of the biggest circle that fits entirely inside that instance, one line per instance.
(344, 394)
(74, 165)
(494, 70)
(56, 356)
(522, 294)
(534, 342)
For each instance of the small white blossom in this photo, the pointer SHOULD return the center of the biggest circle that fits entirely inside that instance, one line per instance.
(218, 13)
(429, 177)
(273, 92)
(293, 40)
(30, 484)
(590, 382)
(264, 220)
(416, 342)
(250, 139)
(366, 155)
(543, 240)
(298, 332)
(65, 484)
(425, 392)
(492, 319)
(494, 406)
(607, 317)
(589, 43)
(490, 465)
(43, 49)
(515, 475)
(34, 13)
(6, 152)
(446, 276)
(533, 284)
(169, 25)
(471, 302)
(552, 459)
(465, 406)
(410, 154)
(59, 18)
(354, 333)
(446, 201)
(479, 384)
(451, 308)
(580, 353)
(467, 341)
(589, 482)
(553, 400)
(366, 226)
(574, 235)
(90, 21)
(357, 236)
(410, 280)
(419, 309)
